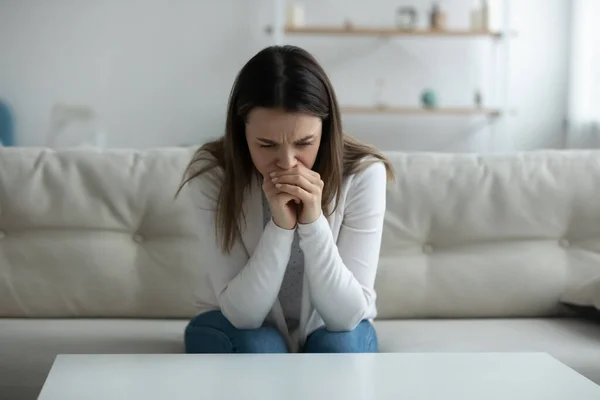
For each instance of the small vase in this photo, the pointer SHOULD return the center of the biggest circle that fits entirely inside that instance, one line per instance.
(429, 98)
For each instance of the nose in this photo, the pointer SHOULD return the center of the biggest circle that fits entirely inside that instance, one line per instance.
(286, 159)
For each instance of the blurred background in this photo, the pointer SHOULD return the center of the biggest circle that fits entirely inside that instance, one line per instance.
(412, 75)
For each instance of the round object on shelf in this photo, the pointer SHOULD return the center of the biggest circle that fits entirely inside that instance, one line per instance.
(429, 98)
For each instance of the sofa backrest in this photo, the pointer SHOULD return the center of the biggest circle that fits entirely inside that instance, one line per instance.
(488, 235)
(85, 233)
(96, 234)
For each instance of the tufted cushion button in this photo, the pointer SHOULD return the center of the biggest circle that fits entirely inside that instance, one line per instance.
(138, 238)
(2, 234)
(427, 249)
(564, 243)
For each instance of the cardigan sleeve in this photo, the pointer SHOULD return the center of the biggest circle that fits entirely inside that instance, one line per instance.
(341, 276)
(246, 288)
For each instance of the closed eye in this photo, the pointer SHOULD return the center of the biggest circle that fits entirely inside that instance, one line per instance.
(270, 145)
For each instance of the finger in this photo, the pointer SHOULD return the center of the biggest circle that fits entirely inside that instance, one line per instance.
(269, 188)
(288, 197)
(294, 190)
(311, 176)
(274, 192)
(269, 185)
(270, 191)
(309, 173)
(297, 180)
(301, 170)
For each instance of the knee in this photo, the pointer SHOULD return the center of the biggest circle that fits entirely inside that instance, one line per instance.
(212, 332)
(208, 333)
(214, 319)
(362, 339)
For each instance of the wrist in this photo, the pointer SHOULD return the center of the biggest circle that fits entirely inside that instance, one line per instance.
(288, 226)
(315, 230)
(309, 219)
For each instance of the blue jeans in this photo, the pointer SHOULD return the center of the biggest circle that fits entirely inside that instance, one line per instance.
(211, 332)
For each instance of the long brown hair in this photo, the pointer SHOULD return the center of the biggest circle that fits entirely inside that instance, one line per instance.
(288, 78)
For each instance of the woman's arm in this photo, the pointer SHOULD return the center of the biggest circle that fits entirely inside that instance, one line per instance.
(341, 276)
(246, 289)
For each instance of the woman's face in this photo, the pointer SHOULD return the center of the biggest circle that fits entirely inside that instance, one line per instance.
(280, 140)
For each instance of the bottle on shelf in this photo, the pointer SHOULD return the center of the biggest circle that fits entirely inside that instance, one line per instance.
(485, 15)
(437, 20)
(295, 15)
(478, 98)
(480, 16)
(379, 87)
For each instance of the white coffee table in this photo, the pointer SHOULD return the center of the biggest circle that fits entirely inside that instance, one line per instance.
(428, 376)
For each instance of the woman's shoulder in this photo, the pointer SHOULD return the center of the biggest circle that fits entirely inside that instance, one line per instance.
(364, 190)
(369, 173)
(363, 162)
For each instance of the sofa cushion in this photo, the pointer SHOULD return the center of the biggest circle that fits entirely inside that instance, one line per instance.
(584, 300)
(586, 295)
(575, 342)
(86, 233)
(471, 235)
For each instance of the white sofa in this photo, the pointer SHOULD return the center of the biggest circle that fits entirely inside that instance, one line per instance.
(97, 257)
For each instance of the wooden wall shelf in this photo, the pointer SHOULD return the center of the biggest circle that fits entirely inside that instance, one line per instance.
(449, 111)
(366, 31)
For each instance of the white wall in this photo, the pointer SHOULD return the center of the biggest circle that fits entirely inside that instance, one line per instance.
(158, 72)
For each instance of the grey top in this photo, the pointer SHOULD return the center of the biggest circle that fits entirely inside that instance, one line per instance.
(290, 293)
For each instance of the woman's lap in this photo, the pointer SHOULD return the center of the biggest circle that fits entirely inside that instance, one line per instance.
(211, 332)
(362, 339)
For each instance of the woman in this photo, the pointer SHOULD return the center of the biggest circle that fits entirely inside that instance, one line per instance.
(297, 209)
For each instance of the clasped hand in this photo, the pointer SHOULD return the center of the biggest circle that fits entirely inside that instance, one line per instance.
(294, 195)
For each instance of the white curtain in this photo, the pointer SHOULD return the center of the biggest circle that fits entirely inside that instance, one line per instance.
(584, 80)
